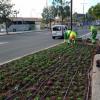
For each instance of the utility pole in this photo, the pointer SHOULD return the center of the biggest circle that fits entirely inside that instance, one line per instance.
(83, 11)
(47, 3)
(71, 14)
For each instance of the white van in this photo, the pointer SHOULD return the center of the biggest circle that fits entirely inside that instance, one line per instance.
(58, 31)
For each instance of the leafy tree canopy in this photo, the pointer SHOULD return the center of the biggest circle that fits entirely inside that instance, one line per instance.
(49, 13)
(95, 11)
(63, 9)
(5, 12)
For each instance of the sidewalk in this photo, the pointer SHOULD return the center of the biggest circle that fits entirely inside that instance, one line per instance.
(96, 79)
(19, 32)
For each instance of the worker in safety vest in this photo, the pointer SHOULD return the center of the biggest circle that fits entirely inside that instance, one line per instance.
(94, 33)
(66, 36)
(70, 37)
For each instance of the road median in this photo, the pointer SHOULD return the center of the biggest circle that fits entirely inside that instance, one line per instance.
(44, 73)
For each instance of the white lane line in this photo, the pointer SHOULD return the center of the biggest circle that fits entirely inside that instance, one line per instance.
(3, 43)
(31, 53)
(36, 51)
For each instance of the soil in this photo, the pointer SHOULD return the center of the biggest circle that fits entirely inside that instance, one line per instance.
(50, 74)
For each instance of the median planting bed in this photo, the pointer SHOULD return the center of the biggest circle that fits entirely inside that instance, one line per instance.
(58, 73)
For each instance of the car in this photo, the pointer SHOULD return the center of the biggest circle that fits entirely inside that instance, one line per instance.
(58, 31)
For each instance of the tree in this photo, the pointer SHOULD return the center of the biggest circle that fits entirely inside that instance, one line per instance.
(45, 15)
(49, 14)
(63, 9)
(75, 16)
(5, 12)
(53, 11)
(94, 11)
(89, 18)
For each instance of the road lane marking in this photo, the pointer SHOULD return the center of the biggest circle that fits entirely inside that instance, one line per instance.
(3, 43)
(5, 62)
(36, 51)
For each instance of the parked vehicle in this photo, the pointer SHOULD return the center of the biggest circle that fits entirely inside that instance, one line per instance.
(58, 31)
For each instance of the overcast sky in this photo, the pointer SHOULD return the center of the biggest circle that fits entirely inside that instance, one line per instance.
(33, 8)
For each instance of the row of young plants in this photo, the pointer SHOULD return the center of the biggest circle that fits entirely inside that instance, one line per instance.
(61, 82)
(12, 73)
(56, 92)
(17, 74)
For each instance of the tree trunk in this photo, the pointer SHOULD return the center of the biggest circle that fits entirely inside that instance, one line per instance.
(62, 20)
(50, 24)
(6, 27)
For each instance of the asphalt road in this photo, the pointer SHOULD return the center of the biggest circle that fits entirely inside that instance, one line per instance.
(13, 46)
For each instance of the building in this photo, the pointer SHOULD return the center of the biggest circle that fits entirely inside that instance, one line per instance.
(23, 24)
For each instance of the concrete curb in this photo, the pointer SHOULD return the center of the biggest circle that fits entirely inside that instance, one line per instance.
(30, 53)
(20, 32)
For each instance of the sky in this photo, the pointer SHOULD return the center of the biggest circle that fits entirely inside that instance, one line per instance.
(33, 8)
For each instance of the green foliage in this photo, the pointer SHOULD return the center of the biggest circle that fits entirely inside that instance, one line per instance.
(47, 98)
(94, 11)
(59, 8)
(59, 98)
(5, 12)
(63, 9)
(29, 94)
(42, 58)
(97, 11)
(16, 98)
(5, 8)
(45, 15)
(89, 17)
(3, 97)
(49, 13)
(1, 76)
(36, 98)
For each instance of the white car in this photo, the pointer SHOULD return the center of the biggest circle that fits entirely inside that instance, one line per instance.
(58, 31)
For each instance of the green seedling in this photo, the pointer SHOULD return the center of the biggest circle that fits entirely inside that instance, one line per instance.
(59, 98)
(47, 98)
(29, 94)
(79, 99)
(16, 98)
(36, 98)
